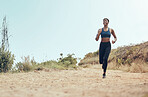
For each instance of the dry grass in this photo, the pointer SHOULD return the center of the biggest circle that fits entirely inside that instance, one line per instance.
(86, 66)
(145, 95)
(92, 60)
(134, 67)
(141, 68)
(132, 58)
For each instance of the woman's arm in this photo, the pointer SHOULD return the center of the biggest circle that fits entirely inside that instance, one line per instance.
(115, 38)
(99, 32)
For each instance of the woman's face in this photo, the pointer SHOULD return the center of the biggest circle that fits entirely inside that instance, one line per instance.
(105, 22)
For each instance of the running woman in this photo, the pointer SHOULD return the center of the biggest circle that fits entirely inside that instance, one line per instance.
(105, 45)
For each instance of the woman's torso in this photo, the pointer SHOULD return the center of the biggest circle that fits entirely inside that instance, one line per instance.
(105, 35)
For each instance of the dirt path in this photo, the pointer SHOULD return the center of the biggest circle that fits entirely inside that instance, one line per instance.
(86, 82)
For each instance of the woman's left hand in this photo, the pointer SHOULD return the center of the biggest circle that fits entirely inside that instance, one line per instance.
(113, 42)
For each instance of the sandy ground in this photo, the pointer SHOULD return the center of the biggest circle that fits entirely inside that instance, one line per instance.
(86, 82)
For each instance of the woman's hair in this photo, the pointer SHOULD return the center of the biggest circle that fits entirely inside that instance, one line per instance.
(106, 19)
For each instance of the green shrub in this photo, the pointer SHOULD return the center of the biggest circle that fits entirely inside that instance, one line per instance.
(6, 60)
(65, 63)
(68, 61)
(51, 64)
(120, 61)
(128, 61)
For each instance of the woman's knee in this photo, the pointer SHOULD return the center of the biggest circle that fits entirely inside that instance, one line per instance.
(101, 61)
(105, 59)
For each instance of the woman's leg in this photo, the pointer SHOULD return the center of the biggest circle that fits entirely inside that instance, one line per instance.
(101, 53)
(105, 57)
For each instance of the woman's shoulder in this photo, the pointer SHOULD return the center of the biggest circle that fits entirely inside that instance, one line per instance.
(111, 30)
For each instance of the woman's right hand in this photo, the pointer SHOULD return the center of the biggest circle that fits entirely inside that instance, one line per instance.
(96, 37)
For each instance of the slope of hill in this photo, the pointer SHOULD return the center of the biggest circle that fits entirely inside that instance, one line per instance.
(122, 56)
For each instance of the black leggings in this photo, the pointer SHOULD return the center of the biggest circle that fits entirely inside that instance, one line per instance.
(104, 51)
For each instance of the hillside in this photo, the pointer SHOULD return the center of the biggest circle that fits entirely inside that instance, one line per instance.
(122, 56)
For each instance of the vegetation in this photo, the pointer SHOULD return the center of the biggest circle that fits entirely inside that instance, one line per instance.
(65, 63)
(26, 64)
(132, 57)
(68, 62)
(6, 60)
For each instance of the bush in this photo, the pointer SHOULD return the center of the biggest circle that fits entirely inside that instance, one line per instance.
(68, 61)
(65, 63)
(6, 60)
(26, 65)
(48, 65)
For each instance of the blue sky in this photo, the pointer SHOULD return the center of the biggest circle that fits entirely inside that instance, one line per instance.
(46, 28)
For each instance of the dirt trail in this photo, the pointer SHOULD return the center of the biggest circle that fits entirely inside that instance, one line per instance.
(86, 82)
